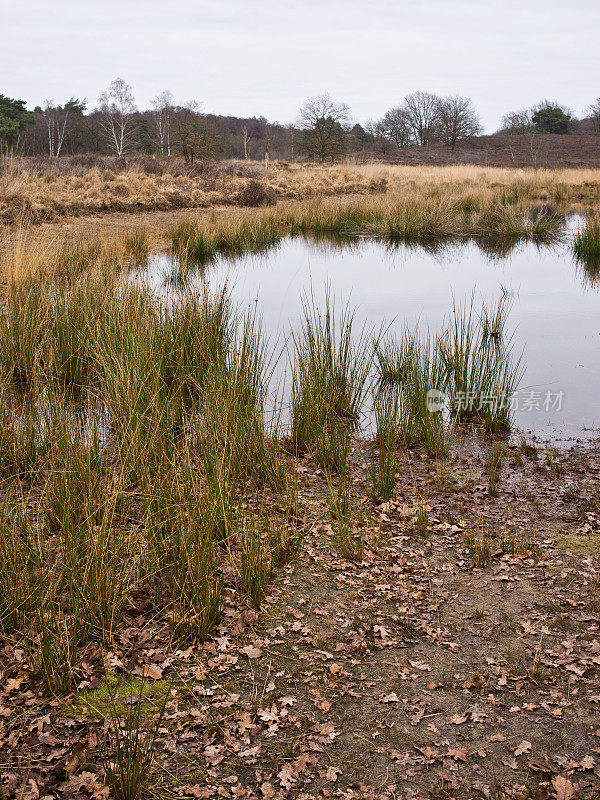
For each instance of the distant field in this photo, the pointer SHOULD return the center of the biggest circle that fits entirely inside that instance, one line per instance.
(545, 151)
(44, 190)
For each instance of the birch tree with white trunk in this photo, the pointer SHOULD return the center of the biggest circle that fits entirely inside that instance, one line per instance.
(117, 107)
(56, 119)
(163, 105)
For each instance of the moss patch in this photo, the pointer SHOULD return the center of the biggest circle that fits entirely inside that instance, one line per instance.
(96, 703)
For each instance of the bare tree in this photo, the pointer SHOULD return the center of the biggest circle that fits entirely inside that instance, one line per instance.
(517, 121)
(422, 110)
(161, 117)
(593, 112)
(56, 120)
(117, 106)
(193, 135)
(246, 140)
(395, 126)
(322, 121)
(457, 119)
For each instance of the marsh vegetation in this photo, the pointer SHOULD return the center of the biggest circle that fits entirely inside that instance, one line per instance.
(149, 470)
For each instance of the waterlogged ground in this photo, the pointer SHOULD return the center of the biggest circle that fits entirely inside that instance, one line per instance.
(555, 311)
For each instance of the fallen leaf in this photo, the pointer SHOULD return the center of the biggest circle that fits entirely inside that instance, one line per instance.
(152, 671)
(524, 747)
(563, 788)
(458, 753)
(251, 652)
(332, 774)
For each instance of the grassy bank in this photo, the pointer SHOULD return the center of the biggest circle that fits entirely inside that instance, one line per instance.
(142, 429)
(49, 193)
(426, 218)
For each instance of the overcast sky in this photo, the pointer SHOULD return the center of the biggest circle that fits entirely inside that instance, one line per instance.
(264, 57)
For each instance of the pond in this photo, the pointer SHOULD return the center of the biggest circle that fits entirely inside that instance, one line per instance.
(554, 318)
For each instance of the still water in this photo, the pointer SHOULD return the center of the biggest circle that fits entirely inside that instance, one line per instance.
(554, 319)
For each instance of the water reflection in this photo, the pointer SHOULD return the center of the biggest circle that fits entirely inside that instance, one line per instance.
(554, 316)
(588, 270)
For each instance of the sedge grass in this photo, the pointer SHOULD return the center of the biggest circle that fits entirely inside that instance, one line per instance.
(23, 329)
(410, 368)
(21, 558)
(330, 373)
(481, 374)
(494, 465)
(586, 243)
(128, 750)
(382, 470)
(255, 565)
(346, 536)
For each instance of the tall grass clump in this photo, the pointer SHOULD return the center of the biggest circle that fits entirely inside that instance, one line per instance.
(423, 221)
(499, 221)
(23, 431)
(81, 507)
(136, 244)
(202, 332)
(76, 485)
(190, 242)
(346, 536)
(329, 374)
(21, 563)
(183, 553)
(382, 470)
(129, 748)
(255, 565)
(51, 644)
(107, 255)
(75, 258)
(78, 313)
(134, 367)
(23, 330)
(236, 441)
(409, 369)
(200, 242)
(330, 217)
(494, 465)
(586, 242)
(481, 374)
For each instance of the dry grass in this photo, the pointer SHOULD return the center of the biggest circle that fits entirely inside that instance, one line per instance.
(48, 194)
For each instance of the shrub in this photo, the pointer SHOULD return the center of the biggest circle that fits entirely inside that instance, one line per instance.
(256, 194)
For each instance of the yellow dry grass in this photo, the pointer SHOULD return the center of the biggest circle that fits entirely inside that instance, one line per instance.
(306, 194)
(46, 196)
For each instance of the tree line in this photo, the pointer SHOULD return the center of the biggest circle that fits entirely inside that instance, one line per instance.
(324, 130)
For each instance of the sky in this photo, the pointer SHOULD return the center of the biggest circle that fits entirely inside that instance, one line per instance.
(265, 57)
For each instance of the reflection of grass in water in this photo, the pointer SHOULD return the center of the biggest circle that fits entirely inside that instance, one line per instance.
(589, 271)
(586, 248)
(423, 218)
